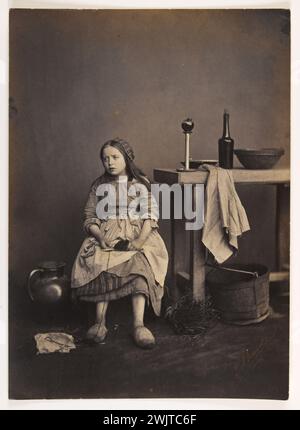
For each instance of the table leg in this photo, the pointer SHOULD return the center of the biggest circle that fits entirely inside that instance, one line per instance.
(197, 250)
(177, 257)
(283, 226)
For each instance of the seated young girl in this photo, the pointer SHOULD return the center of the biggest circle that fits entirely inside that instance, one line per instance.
(123, 253)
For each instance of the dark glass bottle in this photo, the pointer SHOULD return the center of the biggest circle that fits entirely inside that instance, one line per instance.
(226, 145)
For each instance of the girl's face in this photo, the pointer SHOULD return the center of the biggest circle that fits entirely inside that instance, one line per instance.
(114, 161)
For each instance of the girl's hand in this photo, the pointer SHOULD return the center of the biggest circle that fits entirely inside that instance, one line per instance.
(103, 244)
(101, 241)
(135, 245)
(95, 231)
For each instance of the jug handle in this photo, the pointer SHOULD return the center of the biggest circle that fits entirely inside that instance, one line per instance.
(28, 282)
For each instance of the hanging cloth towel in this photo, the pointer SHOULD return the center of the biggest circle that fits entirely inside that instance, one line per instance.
(225, 217)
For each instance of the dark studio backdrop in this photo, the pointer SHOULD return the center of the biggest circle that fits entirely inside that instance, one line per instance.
(79, 78)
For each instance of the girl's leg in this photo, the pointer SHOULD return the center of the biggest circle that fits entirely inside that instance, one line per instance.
(142, 336)
(138, 305)
(101, 309)
(98, 331)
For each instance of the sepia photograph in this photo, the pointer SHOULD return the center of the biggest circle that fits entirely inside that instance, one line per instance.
(149, 203)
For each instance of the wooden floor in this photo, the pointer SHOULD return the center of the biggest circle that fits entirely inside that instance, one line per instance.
(228, 362)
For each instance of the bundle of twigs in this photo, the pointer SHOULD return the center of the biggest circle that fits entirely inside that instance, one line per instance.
(190, 317)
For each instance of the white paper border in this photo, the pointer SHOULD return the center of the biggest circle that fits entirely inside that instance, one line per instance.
(180, 404)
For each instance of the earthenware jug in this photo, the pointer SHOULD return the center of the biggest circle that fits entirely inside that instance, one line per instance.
(48, 284)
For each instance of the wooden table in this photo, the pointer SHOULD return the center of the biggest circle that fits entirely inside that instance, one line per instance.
(196, 276)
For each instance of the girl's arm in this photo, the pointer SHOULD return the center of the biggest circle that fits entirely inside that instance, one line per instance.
(94, 230)
(139, 241)
(91, 222)
(150, 213)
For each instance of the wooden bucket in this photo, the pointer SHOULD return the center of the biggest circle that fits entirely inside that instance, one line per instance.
(240, 293)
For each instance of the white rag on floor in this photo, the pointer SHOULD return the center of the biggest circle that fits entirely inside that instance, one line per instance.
(54, 342)
(225, 217)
